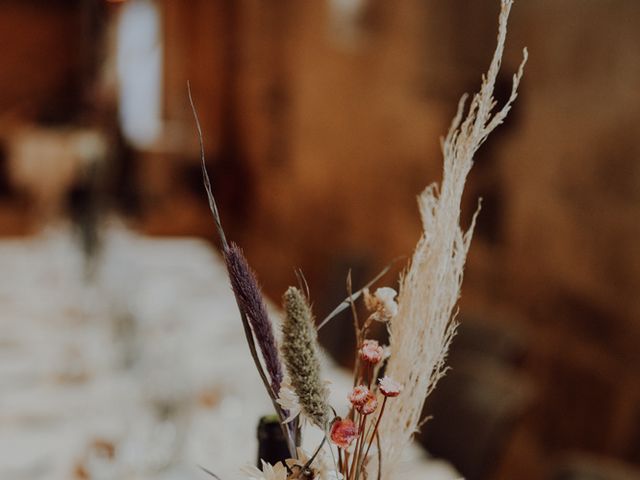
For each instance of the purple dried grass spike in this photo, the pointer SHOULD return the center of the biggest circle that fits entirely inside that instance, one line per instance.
(247, 291)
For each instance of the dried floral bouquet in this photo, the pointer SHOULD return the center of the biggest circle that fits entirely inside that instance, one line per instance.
(367, 441)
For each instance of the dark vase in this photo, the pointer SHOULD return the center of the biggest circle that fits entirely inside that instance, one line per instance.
(272, 445)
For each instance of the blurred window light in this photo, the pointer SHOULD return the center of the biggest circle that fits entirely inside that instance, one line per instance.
(139, 67)
(345, 25)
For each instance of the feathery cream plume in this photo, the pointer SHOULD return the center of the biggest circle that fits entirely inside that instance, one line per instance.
(422, 330)
(299, 350)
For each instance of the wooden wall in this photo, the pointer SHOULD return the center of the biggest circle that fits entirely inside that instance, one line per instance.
(41, 59)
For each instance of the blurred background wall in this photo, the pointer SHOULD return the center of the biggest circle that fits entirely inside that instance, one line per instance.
(321, 124)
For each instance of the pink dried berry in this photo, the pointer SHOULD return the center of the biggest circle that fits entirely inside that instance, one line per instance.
(371, 351)
(343, 432)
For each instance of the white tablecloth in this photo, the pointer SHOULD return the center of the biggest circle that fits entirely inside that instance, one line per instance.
(142, 374)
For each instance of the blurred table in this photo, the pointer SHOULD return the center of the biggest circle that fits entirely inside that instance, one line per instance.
(141, 374)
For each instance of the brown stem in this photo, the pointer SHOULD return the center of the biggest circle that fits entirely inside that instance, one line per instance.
(367, 324)
(304, 467)
(225, 246)
(375, 429)
(346, 464)
(358, 450)
(379, 456)
(356, 329)
(265, 381)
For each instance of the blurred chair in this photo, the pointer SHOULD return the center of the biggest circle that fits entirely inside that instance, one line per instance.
(476, 406)
(45, 162)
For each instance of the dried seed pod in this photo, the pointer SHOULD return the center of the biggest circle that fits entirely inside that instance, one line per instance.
(247, 291)
(299, 349)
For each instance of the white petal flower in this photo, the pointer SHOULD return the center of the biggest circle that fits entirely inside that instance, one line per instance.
(288, 399)
(382, 303)
(269, 472)
(252, 472)
(389, 387)
(386, 298)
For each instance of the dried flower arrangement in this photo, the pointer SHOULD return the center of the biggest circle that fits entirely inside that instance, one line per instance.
(367, 441)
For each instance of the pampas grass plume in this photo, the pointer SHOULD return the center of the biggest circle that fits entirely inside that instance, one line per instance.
(422, 330)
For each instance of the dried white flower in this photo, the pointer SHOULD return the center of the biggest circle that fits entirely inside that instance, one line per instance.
(268, 472)
(386, 296)
(288, 399)
(389, 387)
(371, 352)
(382, 303)
(358, 395)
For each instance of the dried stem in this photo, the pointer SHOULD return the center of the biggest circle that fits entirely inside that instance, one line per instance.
(375, 429)
(239, 276)
(346, 303)
(299, 349)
